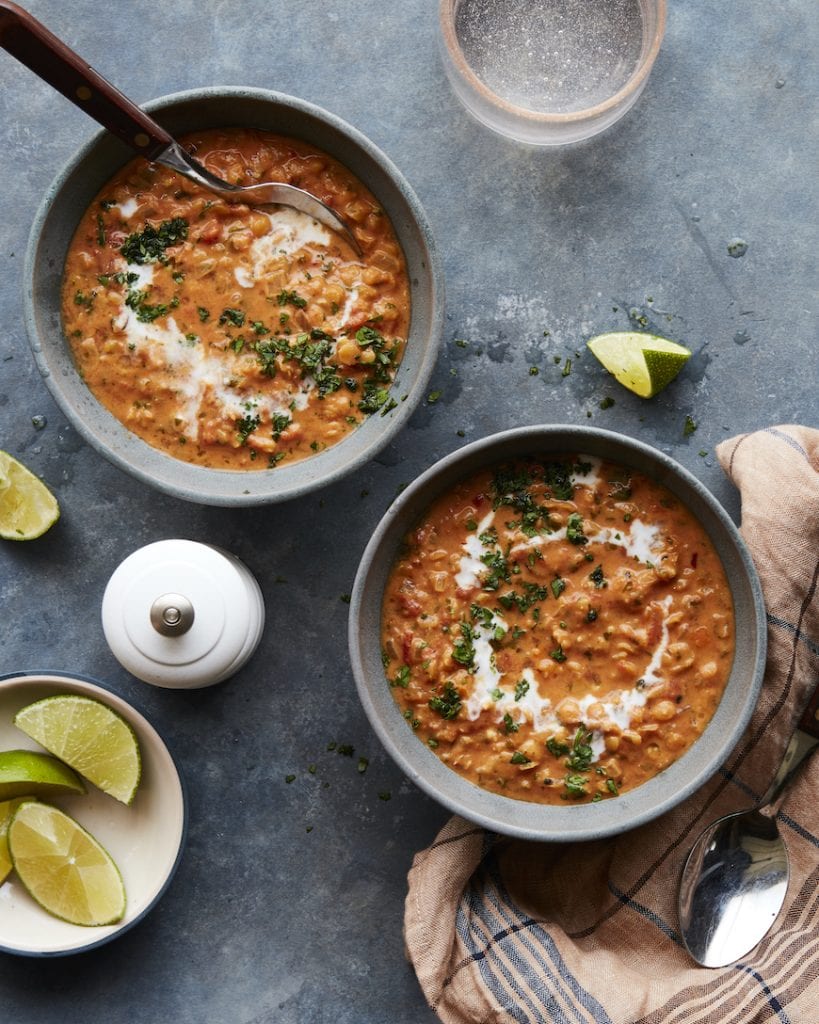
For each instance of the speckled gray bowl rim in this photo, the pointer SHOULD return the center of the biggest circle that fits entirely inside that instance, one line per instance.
(229, 487)
(517, 818)
(51, 674)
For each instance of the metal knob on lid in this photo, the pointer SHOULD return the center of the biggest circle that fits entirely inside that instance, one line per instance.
(172, 615)
(181, 614)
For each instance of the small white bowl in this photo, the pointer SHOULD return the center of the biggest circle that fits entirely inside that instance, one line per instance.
(145, 839)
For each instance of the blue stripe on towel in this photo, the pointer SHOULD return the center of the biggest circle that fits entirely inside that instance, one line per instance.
(787, 439)
(479, 949)
(811, 645)
(544, 944)
(643, 911)
(773, 1002)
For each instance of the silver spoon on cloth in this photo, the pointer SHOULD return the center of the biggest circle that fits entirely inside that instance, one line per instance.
(734, 880)
(48, 57)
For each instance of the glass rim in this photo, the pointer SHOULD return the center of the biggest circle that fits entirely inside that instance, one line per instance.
(460, 64)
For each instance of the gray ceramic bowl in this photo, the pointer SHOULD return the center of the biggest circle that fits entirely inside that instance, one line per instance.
(515, 817)
(77, 185)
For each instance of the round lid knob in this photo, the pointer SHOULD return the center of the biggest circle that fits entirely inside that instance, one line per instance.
(172, 615)
(181, 614)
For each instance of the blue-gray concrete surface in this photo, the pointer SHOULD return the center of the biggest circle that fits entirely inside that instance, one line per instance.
(288, 903)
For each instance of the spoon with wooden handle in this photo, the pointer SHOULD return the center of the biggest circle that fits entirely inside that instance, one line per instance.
(48, 57)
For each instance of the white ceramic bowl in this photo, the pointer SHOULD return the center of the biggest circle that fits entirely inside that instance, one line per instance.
(145, 839)
(516, 817)
(85, 175)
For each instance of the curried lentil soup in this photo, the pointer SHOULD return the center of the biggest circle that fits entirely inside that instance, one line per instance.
(558, 629)
(228, 336)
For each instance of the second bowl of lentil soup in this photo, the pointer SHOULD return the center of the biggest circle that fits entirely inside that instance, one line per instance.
(228, 355)
(557, 632)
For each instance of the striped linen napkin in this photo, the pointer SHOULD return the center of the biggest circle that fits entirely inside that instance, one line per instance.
(507, 931)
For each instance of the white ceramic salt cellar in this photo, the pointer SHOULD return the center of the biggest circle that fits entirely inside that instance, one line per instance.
(182, 615)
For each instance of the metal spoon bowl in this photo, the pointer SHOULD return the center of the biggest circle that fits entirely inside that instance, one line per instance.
(735, 878)
(47, 56)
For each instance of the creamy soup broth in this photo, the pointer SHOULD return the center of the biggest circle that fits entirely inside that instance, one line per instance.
(228, 336)
(558, 630)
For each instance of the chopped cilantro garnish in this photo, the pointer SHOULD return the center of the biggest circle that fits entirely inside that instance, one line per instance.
(510, 724)
(374, 398)
(145, 312)
(558, 586)
(556, 748)
(448, 704)
(292, 298)
(519, 758)
(463, 650)
(581, 753)
(574, 529)
(232, 316)
(576, 785)
(246, 426)
(521, 689)
(597, 577)
(149, 245)
(279, 422)
(689, 427)
(402, 678)
(558, 479)
(498, 570)
(557, 654)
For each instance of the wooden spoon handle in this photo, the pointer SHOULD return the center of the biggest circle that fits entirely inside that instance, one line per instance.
(47, 56)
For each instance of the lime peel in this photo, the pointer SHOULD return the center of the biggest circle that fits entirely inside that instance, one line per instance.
(29, 773)
(643, 363)
(7, 809)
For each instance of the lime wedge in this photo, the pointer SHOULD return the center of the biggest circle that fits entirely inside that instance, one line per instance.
(27, 506)
(7, 809)
(63, 867)
(85, 733)
(643, 363)
(27, 773)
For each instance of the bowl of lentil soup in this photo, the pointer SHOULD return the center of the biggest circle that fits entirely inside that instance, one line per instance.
(226, 355)
(557, 632)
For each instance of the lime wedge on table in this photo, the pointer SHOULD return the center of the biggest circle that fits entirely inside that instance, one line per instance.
(28, 773)
(27, 506)
(7, 809)
(63, 867)
(90, 737)
(643, 363)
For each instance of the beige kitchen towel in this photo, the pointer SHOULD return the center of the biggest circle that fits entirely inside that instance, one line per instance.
(506, 931)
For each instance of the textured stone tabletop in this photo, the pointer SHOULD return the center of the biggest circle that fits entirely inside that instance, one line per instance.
(287, 906)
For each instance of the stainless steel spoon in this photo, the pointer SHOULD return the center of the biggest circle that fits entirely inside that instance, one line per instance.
(734, 880)
(47, 56)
